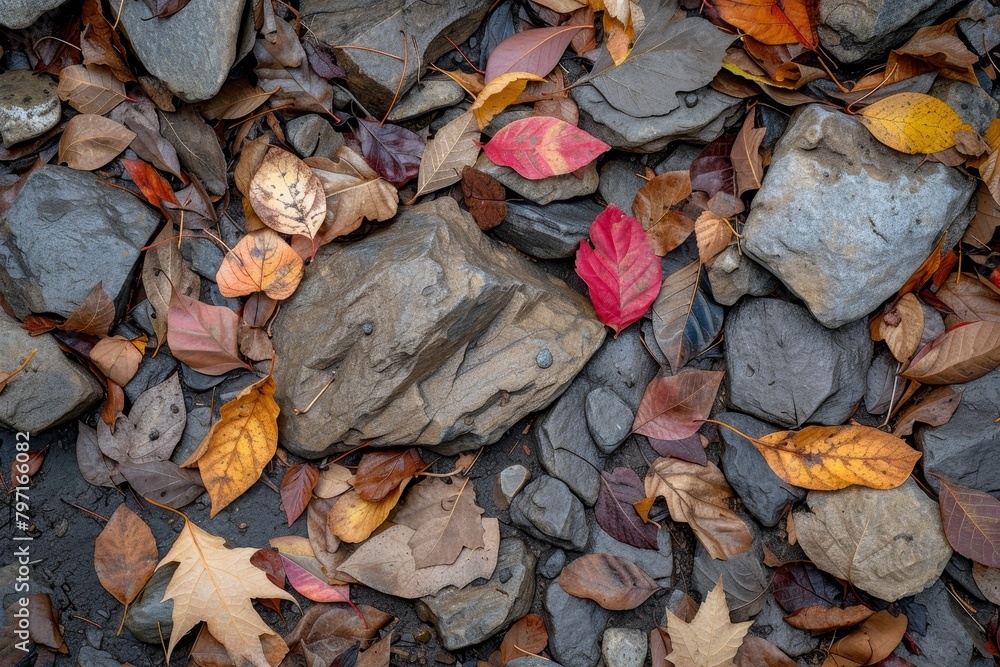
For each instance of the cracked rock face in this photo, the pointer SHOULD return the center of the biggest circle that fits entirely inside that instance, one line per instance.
(427, 333)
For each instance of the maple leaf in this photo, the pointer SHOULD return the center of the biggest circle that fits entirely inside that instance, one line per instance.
(710, 639)
(215, 585)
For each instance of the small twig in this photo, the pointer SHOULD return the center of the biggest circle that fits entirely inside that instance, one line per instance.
(399, 86)
(365, 48)
(84, 509)
(23, 365)
(892, 397)
(87, 620)
(351, 451)
(313, 402)
(871, 92)
(465, 57)
(121, 6)
(42, 39)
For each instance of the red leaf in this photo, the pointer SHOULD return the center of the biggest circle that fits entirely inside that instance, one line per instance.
(154, 187)
(674, 406)
(688, 449)
(202, 336)
(311, 586)
(621, 270)
(393, 151)
(620, 489)
(543, 146)
(296, 489)
(971, 522)
(379, 473)
(536, 51)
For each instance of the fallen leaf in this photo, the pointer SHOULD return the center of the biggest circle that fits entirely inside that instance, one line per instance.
(287, 195)
(542, 146)
(386, 563)
(936, 47)
(158, 417)
(710, 639)
(94, 316)
(392, 151)
(801, 584)
(163, 8)
(90, 141)
(745, 154)
(685, 320)
(499, 94)
(653, 207)
(825, 619)
(986, 220)
(255, 344)
(353, 193)
(296, 489)
(312, 586)
(757, 652)
(90, 89)
(100, 43)
(614, 583)
(773, 21)
(125, 555)
(153, 187)
(712, 171)
(966, 352)
(971, 521)
(969, 299)
(615, 512)
(236, 98)
(926, 269)
(163, 271)
(451, 150)
(446, 520)
(215, 585)
(164, 482)
(988, 581)
(485, 196)
(95, 467)
(902, 326)
(202, 336)
(698, 495)
(380, 472)
(674, 406)
(536, 50)
(283, 63)
(913, 123)
(713, 234)
(620, 269)
(871, 642)
(238, 447)
(527, 636)
(118, 357)
(197, 146)
(353, 519)
(333, 481)
(25, 469)
(934, 409)
(690, 449)
(827, 458)
(260, 262)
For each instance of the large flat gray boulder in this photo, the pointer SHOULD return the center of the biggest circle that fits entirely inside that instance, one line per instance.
(856, 30)
(22, 13)
(431, 334)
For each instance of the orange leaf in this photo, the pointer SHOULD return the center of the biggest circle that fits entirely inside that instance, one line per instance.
(773, 21)
(260, 262)
(500, 93)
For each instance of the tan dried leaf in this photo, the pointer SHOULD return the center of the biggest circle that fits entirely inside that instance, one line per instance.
(902, 327)
(90, 141)
(354, 192)
(446, 520)
(710, 640)
(287, 195)
(452, 149)
(90, 89)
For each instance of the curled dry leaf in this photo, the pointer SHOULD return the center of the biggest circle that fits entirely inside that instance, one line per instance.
(202, 336)
(90, 141)
(674, 406)
(446, 520)
(535, 50)
(774, 21)
(118, 357)
(902, 326)
(282, 62)
(614, 583)
(392, 151)
(260, 262)
(745, 154)
(499, 94)
(873, 641)
(710, 639)
(966, 352)
(527, 636)
(542, 146)
(615, 509)
(713, 234)
(333, 481)
(971, 521)
(94, 316)
(354, 192)
(90, 89)
(825, 619)
(287, 195)
(125, 555)
(163, 271)
(969, 299)
(237, 98)
(913, 123)
(653, 207)
(380, 472)
(353, 519)
(451, 150)
(935, 409)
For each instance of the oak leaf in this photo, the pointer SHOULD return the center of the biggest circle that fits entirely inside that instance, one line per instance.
(260, 262)
(287, 195)
(710, 639)
(446, 520)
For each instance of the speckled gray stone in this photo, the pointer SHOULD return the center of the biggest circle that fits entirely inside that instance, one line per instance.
(509, 483)
(29, 106)
(22, 13)
(549, 511)
(149, 617)
(609, 418)
(428, 95)
(624, 647)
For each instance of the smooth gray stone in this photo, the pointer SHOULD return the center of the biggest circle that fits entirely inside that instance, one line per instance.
(312, 135)
(18, 14)
(948, 641)
(733, 275)
(546, 190)
(29, 106)
(973, 104)
(426, 96)
(620, 181)
(549, 511)
(92, 657)
(575, 627)
(149, 617)
(553, 565)
(552, 231)
(609, 418)
(509, 483)
(659, 564)
(770, 623)
(564, 445)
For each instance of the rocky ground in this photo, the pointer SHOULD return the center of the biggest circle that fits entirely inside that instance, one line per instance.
(846, 265)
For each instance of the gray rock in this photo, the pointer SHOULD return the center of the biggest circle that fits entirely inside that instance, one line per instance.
(770, 624)
(783, 367)
(545, 190)
(564, 446)
(50, 390)
(426, 96)
(312, 135)
(973, 104)
(842, 265)
(91, 657)
(680, 158)
(658, 564)
(575, 626)
(152, 371)
(532, 661)
(149, 617)
(547, 232)
(204, 32)
(856, 30)
(199, 382)
(701, 117)
(744, 578)
(553, 565)
(620, 181)
(732, 275)
(887, 542)
(624, 365)
(471, 615)
(379, 25)
(959, 568)
(22, 13)
(196, 144)
(609, 418)
(947, 641)
(29, 106)
(764, 494)
(964, 450)
(624, 647)
(882, 386)
(933, 324)
(509, 483)
(981, 26)
(204, 255)
(199, 420)
(549, 511)
(63, 234)
(458, 325)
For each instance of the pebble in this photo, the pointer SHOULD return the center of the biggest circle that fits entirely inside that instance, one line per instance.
(546, 190)
(426, 96)
(553, 565)
(549, 511)
(609, 418)
(575, 626)
(624, 647)
(29, 106)
(509, 483)
(312, 135)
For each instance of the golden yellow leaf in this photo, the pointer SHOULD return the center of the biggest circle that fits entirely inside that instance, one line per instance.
(233, 454)
(710, 639)
(260, 262)
(902, 327)
(215, 585)
(287, 195)
(913, 123)
(499, 93)
(353, 519)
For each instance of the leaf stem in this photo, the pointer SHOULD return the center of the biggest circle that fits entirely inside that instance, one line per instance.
(22, 366)
(731, 428)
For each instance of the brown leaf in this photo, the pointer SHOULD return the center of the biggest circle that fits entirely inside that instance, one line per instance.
(969, 299)
(698, 495)
(94, 316)
(353, 191)
(255, 344)
(100, 43)
(964, 353)
(874, 640)
(118, 357)
(713, 234)
(165, 269)
(125, 555)
(757, 652)
(260, 262)
(446, 520)
(924, 271)
(745, 155)
(612, 582)
(237, 98)
(527, 636)
(296, 489)
(90, 141)
(988, 580)
(902, 326)
(90, 89)
(286, 194)
(353, 519)
(333, 481)
(653, 207)
(281, 61)
(935, 409)
(203, 336)
(485, 196)
(380, 472)
(986, 220)
(674, 406)
(710, 639)
(672, 312)
(251, 158)
(824, 619)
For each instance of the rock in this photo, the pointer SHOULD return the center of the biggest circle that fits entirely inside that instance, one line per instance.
(973, 104)
(770, 624)
(549, 511)
(22, 13)
(426, 96)
(204, 32)
(744, 578)
(933, 324)
(844, 266)
(197, 146)
(553, 565)
(204, 256)
(886, 542)
(471, 615)
(947, 641)
(509, 483)
(981, 26)
(545, 190)
(199, 382)
(199, 420)
(532, 661)
(91, 657)
(620, 181)
(964, 450)
(624, 647)
(783, 367)
(50, 390)
(575, 625)
(764, 494)
(152, 371)
(459, 328)
(379, 26)
(66, 232)
(732, 275)
(547, 232)
(701, 117)
(883, 388)
(609, 418)
(312, 135)
(659, 564)
(564, 445)
(29, 106)
(624, 365)
(856, 30)
(149, 616)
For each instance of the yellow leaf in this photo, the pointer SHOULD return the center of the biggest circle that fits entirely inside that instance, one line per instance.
(239, 445)
(287, 195)
(710, 639)
(353, 519)
(913, 123)
(215, 585)
(499, 93)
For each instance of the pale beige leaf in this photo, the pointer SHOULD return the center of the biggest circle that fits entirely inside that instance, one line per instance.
(446, 519)
(354, 193)
(713, 235)
(451, 149)
(250, 158)
(90, 88)
(286, 194)
(988, 580)
(985, 221)
(969, 299)
(90, 141)
(710, 639)
(965, 353)
(165, 266)
(902, 327)
(333, 481)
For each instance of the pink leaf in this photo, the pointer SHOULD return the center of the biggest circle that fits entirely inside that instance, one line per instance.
(202, 336)
(536, 51)
(543, 146)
